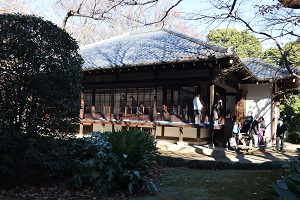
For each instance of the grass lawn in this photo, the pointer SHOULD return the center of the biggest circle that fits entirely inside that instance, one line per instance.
(182, 183)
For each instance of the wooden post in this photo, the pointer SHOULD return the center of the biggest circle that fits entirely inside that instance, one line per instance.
(186, 117)
(93, 112)
(273, 122)
(154, 131)
(180, 134)
(211, 104)
(212, 98)
(155, 106)
(81, 115)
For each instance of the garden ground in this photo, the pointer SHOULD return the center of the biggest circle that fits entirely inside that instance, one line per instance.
(184, 183)
(206, 153)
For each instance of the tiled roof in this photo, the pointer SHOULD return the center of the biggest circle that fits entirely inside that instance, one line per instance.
(264, 71)
(147, 48)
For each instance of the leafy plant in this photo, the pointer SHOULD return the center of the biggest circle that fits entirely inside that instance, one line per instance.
(32, 160)
(40, 77)
(137, 152)
(293, 137)
(290, 106)
(112, 161)
(289, 186)
(246, 44)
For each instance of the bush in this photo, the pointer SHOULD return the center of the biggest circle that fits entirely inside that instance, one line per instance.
(111, 161)
(32, 160)
(40, 77)
(293, 137)
(289, 186)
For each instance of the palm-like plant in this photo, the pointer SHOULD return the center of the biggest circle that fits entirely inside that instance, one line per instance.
(115, 160)
(137, 151)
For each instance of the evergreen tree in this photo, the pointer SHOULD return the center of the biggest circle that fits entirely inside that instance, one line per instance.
(246, 44)
(40, 77)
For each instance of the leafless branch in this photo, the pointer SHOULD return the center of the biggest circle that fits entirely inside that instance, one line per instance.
(284, 57)
(166, 14)
(232, 8)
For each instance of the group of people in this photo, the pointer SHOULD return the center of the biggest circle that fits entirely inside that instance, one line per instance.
(218, 110)
(134, 107)
(255, 129)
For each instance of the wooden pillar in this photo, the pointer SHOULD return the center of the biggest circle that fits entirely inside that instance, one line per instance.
(211, 118)
(93, 112)
(186, 117)
(273, 122)
(154, 131)
(212, 98)
(155, 106)
(80, 129)
(180, 134)
(240, 106)
(93, 97)
(81, 115)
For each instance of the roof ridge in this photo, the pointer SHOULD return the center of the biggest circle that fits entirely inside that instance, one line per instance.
(257, 60)
(105, 40)
(122, 35)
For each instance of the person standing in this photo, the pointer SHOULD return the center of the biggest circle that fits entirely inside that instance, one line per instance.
(197, 108)
(122, 107)
(235, 128)
(134, 105)
(247, 123)
(280, 133)
(253, 132)
(261, 131)
(218, 112)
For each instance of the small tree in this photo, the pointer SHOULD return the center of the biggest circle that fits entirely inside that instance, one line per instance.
(40, 77)
(246, 44)
(290, 108)
(292, 52)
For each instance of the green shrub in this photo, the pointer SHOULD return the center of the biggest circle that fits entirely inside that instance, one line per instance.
(293, 137)
(289, 186)
(137, 152)
(112, 161)
(41, 75)
(32, 160)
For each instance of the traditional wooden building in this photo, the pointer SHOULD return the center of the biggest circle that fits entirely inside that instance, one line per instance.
(149, 79)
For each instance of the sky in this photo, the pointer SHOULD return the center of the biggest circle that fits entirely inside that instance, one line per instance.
(186, 6)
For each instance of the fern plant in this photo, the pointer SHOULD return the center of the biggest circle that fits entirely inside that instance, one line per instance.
(289, 186)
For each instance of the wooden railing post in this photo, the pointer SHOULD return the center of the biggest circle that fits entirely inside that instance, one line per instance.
(154, 131)
(180, 134)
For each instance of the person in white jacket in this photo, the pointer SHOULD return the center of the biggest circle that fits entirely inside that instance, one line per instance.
(197, 108)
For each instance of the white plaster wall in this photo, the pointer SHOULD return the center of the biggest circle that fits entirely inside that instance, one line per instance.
(259, 101)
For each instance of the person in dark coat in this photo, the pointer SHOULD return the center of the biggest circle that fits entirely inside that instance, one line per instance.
(253, 132)
(247, 123)
(134, 105)
(280, 133)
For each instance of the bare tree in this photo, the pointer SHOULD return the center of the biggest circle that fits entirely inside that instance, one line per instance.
(13, 6)
(276, 23)
(92, 20)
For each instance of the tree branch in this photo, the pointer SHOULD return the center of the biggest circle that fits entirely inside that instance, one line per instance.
(232, 8)
(284, 57)
(166, 14)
